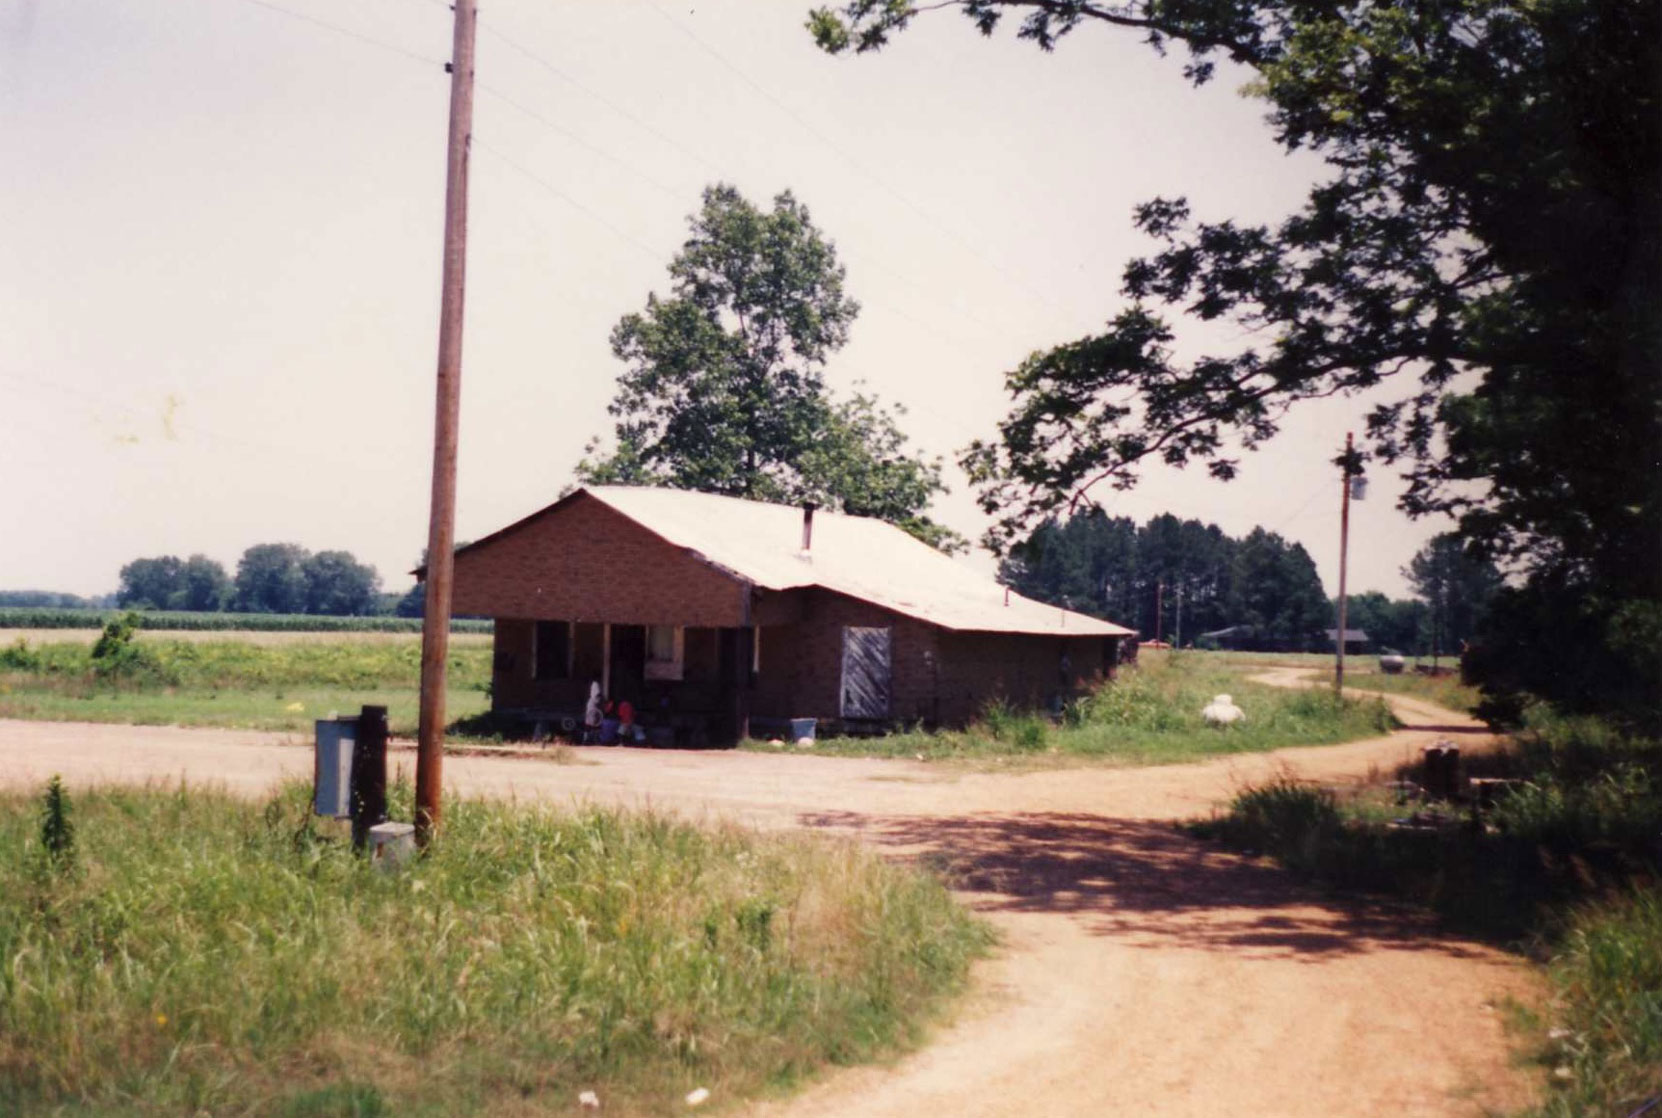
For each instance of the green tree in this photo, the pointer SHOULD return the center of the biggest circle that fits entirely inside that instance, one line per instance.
(1390, 623)
(150, 583)
(1493, 208)
(203, 585)
(1274, 589)
(336, 583)
(725, 391)
(271, 579)
(1457, 588)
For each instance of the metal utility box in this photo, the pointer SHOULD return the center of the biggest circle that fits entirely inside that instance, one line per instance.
(336, 738)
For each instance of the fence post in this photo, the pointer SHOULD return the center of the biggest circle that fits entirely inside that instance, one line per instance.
(369, 774)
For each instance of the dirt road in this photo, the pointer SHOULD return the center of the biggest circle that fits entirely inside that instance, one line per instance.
(1143, 973)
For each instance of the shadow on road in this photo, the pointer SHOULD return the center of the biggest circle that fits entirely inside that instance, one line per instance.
(1145, 883)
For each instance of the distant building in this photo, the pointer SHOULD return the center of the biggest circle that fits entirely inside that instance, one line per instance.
(709, 613)
(1356, 640)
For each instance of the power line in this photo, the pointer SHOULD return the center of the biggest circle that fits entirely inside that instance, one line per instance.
(646, 126)
(359, 36)
(669, 191)
(1003, 273)
(654, 254)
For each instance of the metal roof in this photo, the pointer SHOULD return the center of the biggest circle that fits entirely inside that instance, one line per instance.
(859, 556)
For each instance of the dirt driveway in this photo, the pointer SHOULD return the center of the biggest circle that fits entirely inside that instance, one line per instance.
(1143, 973)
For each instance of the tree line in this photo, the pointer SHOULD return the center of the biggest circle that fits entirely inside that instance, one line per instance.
(270, 578)
(1182, 579)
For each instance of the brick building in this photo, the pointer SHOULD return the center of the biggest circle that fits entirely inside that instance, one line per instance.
(712, 613)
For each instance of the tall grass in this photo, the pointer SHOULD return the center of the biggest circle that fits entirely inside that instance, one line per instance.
(1607, 1046)
(211, 954)
(1147, 715)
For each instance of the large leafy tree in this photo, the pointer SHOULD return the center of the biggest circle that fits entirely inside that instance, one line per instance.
(150, 583)
(725, 392)
(336, 583)
(166, 582)
(1493, 208)
(271, 578)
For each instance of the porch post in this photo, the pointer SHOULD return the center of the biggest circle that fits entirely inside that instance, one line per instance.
(606, 659)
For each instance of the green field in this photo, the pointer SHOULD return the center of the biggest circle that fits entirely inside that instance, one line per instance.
(195, 953)
(29, 617)
(234, 683)
(1149, 715)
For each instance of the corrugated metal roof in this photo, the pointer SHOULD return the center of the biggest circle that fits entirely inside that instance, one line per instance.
(859, 556)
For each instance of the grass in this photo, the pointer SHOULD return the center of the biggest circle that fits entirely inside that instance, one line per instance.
(232, 683)
(1569, 864)
(200, 953)
(1149, 715)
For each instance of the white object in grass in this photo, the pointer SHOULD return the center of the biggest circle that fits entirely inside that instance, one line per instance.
(588, 1100)
(1222, 711)
(697, 1096)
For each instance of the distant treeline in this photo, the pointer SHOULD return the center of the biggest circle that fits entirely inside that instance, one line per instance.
(49, 599)
(40, 618)
(1183, 579)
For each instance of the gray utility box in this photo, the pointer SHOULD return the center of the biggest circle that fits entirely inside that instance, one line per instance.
(337, 738)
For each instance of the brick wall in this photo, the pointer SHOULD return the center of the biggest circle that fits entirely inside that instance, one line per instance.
(939, 676)
(584, 562)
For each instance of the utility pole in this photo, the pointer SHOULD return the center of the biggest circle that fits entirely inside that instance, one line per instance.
(441, 528)
(1177, 628)
(1346, 467)
(1159, 607)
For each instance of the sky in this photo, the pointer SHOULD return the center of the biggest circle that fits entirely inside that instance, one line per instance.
(219, 272)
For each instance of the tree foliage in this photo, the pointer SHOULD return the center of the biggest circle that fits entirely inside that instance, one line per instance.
(286, 578)
(1493, 209)
(1457, 588)
(166, 582)
(724, 390)
(1177, 578)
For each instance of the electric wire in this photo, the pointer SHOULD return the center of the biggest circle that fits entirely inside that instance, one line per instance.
(1007, 275)
(532, 176)
(367, 40)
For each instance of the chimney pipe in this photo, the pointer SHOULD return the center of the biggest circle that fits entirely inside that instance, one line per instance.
(808, 526)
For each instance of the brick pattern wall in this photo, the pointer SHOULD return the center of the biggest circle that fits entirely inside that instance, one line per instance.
(802, 661)
(585, 562)
(1024, 670)
(939, 676)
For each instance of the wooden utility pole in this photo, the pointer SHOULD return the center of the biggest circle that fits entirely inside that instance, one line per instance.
(1345, 466)
(441, 529)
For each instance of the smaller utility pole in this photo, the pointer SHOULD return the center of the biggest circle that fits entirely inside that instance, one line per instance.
(1159, 607)
(1177, 627)
(1347, 469)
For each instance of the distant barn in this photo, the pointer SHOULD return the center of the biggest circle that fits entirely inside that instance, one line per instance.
(710, 613)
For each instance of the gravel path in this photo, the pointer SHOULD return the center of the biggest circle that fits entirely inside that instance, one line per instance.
(1143, 973)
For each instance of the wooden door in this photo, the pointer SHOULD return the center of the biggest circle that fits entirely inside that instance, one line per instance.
(867, 672)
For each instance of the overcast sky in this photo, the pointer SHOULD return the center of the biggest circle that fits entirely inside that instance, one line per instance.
(220, 262)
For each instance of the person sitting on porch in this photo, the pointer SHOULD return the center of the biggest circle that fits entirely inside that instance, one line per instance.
(592, 714)
(627, 729)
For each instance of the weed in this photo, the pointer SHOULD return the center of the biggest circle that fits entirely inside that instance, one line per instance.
(216, 955)
(57, 833)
